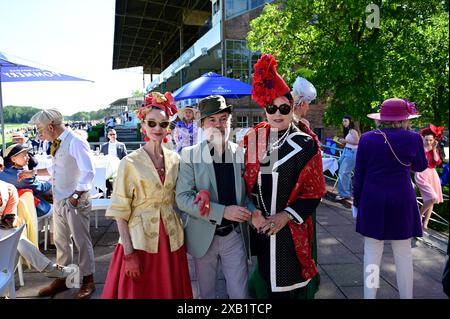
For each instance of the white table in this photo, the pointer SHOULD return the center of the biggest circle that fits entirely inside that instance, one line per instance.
(331, 164)
(110, 163)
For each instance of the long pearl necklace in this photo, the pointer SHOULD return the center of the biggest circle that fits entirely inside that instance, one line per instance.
(276, 145)
(266, 211)
(279, 142)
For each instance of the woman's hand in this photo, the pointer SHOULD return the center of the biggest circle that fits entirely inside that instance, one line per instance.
(132, 266)
(342, 141)
(275, 223)
(434, 145)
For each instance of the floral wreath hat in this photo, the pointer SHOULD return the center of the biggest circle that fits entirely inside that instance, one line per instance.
(163, 102)
(267, 83)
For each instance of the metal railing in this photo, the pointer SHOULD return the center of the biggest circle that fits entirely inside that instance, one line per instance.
(94, 145)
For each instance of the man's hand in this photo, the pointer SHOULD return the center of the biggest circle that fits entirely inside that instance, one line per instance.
(74, 202)
(258, 220)
(237, 213)
(203, 197)
(24, 174)
(132, 266)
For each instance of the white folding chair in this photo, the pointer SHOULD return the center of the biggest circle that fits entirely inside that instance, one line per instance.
(8, 253)
(46, 228)
(99, 183)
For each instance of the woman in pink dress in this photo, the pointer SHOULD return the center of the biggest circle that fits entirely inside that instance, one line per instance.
(428, 181)
(150, 259)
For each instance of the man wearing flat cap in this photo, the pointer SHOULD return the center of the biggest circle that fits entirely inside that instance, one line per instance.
(210, 189)
(72, 172)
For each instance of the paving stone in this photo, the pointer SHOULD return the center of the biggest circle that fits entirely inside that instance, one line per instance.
(33, 282)
(332, 219)
(345, 275)
(103, 254)
(335, 254)
(108, 239)
(327, 289)
(386, 291)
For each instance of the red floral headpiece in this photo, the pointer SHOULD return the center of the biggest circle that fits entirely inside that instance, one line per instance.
(155, 99)
(267, 83)
(436, 131)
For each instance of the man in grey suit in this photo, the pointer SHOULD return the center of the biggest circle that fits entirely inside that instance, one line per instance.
(114, 147)
(216, 165)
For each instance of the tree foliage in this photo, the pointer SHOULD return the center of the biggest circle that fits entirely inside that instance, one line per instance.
(18, 114)
(354, 67)
(22, 114)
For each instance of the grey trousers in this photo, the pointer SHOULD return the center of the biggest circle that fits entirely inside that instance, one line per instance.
(230, 252)
(29, 251)
(66, 222)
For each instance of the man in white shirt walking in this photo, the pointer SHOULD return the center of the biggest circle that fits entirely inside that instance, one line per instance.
(72, 172)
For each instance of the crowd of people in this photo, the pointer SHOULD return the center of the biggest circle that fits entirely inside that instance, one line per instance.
(223, 203)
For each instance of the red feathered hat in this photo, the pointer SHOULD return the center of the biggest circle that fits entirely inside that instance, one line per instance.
(436, 131)
(155, 99)
(267, 83)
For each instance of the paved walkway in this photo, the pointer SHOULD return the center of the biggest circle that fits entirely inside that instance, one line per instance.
(340, 257)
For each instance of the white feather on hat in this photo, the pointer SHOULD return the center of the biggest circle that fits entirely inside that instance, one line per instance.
(304, 89)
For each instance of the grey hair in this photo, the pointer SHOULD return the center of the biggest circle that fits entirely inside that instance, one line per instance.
(394, 124)
(50, 116)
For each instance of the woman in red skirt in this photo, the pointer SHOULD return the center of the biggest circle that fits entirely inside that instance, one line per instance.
(150, 259)
(428, 181)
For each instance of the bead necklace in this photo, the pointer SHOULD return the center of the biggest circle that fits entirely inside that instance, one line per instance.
(279, 142)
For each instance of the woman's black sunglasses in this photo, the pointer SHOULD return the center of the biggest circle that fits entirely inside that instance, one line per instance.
(284, 109)
(162, 124)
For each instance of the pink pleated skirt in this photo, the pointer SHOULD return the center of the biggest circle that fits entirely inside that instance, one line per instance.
(429, 185)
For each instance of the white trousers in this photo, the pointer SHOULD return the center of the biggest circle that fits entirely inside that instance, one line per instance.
(29, 251)
(373, 251)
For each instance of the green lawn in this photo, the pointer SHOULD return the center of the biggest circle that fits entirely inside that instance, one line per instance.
(9, 126)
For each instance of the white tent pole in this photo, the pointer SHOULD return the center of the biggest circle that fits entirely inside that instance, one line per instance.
(2, 118)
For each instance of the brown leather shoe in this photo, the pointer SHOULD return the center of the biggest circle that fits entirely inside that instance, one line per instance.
(55, 287)
(87, 288)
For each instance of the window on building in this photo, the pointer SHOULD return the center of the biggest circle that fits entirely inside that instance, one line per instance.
(234, 8)
(257, 119)
(216, 6)
(238, 60)
(242, 121)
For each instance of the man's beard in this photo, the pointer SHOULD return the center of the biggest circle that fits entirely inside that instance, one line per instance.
(217, 136)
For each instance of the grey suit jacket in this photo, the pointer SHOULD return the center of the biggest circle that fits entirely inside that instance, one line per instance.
(121, 150)
(197, 173)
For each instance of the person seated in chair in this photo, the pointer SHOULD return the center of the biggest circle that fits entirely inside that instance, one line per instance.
(20, 138)
(9, 200)
(114, 147)
(16, 159)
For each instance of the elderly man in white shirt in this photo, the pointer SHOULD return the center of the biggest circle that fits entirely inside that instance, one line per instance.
(72, 172)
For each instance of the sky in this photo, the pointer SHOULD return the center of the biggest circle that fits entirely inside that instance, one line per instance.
(74, 37)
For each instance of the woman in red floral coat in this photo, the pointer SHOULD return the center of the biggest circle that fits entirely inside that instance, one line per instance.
(283, 174)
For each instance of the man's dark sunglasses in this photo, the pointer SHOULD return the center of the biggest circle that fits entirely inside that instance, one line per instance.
(284, 109)
(162, 124)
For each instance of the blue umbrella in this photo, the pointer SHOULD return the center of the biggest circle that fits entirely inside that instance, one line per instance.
(213, 84)
(15, 72)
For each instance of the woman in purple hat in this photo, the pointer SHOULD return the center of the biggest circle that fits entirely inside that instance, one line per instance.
(384, 197)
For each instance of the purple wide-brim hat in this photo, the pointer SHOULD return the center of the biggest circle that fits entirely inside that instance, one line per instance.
(395, 109)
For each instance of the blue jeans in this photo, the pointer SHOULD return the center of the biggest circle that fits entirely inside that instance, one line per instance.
(348, 160)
